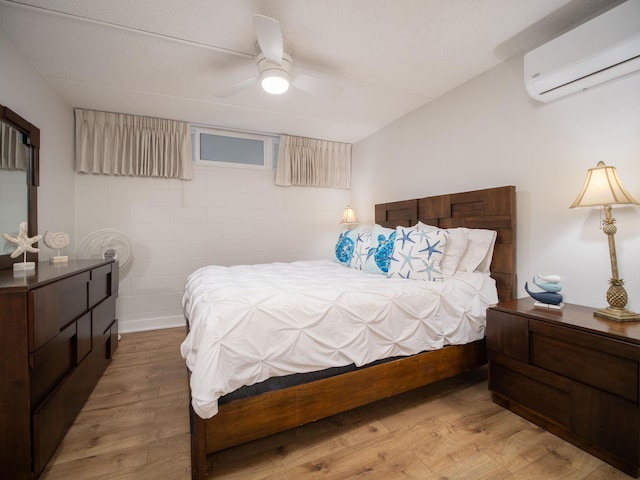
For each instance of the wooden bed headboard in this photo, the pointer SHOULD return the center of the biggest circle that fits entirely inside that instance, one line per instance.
(491, 209)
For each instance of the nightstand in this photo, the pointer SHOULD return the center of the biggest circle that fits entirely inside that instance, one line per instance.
(571, 373)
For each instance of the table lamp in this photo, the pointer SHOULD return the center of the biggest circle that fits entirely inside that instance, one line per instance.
(603, 188)
(349, 218)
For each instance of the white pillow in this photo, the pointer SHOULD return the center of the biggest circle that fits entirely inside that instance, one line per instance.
(456, 246)
(479, 253)
(417, 254)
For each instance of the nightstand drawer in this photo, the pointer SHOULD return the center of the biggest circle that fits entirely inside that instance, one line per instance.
(565, 352)
(547, 400)
(508, 334)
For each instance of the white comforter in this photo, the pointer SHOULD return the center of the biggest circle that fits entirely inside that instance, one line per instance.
(252, 322)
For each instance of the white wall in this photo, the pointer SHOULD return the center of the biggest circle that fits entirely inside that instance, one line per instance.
(224, 216)
(24, 91)
(489, 133)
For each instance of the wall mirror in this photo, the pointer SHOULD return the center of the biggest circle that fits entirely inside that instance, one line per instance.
(19, 179)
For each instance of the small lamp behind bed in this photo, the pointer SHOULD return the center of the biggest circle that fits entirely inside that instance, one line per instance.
(349, 219)
(603, 188)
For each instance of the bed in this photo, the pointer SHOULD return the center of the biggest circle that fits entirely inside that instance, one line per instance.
(234, 419)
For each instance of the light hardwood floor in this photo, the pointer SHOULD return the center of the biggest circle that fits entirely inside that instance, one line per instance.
(135, 426)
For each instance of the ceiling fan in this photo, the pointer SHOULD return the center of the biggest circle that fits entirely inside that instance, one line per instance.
(275, 66)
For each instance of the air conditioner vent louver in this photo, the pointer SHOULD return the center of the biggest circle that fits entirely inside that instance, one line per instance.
(604, 70)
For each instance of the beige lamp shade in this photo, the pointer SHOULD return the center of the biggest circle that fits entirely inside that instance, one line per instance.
(349, 216)
(602, 187)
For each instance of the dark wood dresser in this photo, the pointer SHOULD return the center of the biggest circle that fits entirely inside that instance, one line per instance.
(571, 373)
(58, 330)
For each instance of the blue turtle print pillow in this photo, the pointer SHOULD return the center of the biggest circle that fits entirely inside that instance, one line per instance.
(380, 250)
(345, 247)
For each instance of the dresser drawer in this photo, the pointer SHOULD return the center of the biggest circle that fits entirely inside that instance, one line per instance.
(103, 316)
(591, 359)
(83, 337)
(100, 286)
(112, 344)
(51, 363)
(54, 416)
(56, 305)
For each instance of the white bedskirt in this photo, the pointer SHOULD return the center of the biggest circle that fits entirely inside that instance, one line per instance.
(248, 323)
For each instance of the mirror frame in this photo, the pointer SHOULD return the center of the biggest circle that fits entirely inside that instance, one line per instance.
(31, 135)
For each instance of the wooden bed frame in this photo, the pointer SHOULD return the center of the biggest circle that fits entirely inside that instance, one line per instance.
(247, 419)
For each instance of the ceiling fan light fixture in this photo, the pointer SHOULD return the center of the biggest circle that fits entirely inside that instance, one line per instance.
(275, 81)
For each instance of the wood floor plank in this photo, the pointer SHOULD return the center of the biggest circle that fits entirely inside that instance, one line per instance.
(562, 461)
(520, 443)
(135, 425)
(474, 467)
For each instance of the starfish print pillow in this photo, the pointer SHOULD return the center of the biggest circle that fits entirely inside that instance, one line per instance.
(361, 249)
(417, 254)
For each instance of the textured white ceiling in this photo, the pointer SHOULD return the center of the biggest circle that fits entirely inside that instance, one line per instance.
(167, 58)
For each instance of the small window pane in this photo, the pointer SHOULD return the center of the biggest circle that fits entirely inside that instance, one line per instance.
(274, 151)
(219, 148)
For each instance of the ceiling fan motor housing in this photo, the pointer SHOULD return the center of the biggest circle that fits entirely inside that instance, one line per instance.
(275, 78)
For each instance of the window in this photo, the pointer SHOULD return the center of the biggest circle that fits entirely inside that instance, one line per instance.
(233, 149)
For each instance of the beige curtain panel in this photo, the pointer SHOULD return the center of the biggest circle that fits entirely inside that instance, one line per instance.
(312, 162)
(13, 153)
(119, 144)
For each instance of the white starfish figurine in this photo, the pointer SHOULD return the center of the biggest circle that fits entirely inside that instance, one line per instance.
(23, 243)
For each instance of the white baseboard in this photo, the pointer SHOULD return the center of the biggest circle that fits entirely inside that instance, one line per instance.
(146, 324)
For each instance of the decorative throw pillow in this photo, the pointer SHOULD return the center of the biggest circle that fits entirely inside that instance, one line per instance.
(380, 251)
(456, 246)
(345, 246)
(363, 242)
(417, 253)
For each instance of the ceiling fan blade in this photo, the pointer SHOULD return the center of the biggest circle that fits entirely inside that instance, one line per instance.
(316, 86)
(269, 35)
(236, 87)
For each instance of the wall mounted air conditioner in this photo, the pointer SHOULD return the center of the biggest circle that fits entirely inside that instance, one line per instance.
(597, 51)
